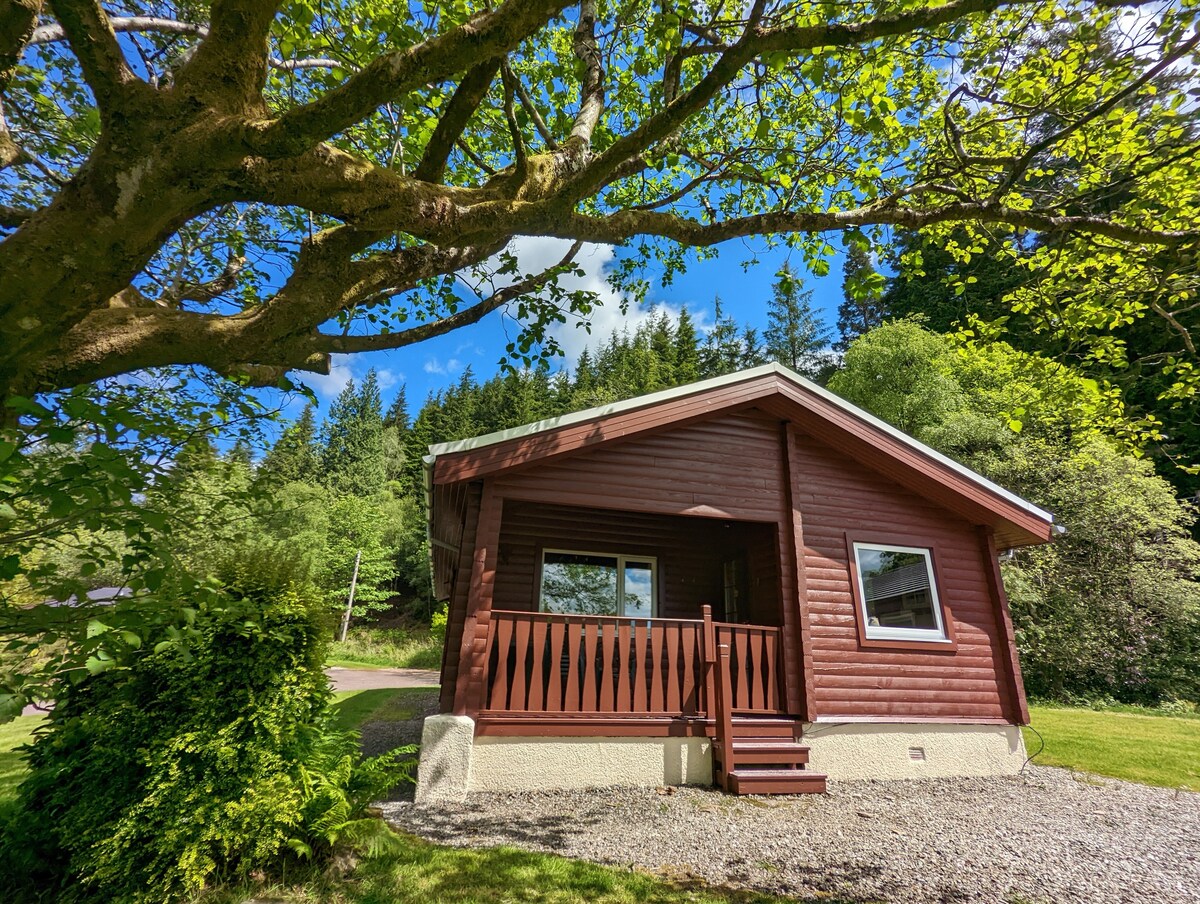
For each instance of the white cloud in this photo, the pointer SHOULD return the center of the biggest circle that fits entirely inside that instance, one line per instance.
(388, 378)
(535, 254)
(435, 366)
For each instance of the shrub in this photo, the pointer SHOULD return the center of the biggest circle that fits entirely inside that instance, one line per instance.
(200, 762)
(437, 625)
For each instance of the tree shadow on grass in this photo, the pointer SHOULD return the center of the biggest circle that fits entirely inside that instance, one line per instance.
(432, 873)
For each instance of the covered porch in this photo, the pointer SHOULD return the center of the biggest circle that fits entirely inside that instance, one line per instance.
(610, 623)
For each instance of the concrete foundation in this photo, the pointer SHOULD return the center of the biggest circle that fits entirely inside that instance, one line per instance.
(444, 773)
(859, 750)
(526, 764)
(455, 762)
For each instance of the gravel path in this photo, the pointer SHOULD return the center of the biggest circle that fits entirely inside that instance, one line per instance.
(1053, 837)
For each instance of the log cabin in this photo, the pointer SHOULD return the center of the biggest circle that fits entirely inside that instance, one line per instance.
(744, 581)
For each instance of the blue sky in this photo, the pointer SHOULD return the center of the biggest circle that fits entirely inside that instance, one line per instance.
(435, 364)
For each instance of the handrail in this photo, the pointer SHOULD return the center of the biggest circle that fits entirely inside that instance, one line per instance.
(575, 616)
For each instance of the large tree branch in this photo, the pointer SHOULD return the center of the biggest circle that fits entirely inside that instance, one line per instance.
(486, 36)
(591, 101)
(94, 44)
(624, 225)
(52, 33)
(465, 317)
(229, 68)
(18, 21)
(461, 107)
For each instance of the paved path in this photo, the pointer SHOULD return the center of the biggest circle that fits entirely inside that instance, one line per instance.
(353, 680)
(368, 679)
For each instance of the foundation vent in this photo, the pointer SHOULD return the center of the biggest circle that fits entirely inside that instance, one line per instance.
(916, 754)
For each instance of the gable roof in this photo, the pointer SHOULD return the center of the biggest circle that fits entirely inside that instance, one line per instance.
(779, 391)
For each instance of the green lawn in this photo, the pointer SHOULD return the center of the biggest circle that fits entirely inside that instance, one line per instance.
(391, 704)
(1138, 747)
(425, 873)
(12, 769)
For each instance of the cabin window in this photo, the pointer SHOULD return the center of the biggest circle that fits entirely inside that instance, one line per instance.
(898, 593)
(587, 583)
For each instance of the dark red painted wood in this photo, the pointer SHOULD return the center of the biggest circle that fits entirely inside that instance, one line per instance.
(844, 430)
(853, 680)
(622, 672)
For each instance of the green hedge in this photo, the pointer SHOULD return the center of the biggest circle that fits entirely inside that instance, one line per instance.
(202, 762)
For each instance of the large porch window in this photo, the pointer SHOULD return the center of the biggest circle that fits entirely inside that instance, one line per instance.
(588, 583)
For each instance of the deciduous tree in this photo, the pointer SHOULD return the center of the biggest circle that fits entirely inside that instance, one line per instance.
(254, 186)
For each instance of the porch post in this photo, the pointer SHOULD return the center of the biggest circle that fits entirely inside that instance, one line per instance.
(472, 664)
(797, 635)
(708, 656)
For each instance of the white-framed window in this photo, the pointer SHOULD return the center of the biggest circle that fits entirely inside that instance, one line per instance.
(897, 593)
(596, 583)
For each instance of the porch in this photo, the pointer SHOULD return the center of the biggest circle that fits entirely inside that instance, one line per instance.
(567, 675)
(600, 626)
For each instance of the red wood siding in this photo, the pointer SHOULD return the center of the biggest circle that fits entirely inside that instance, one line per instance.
(836, 495)
(727, 467)
(689, 551)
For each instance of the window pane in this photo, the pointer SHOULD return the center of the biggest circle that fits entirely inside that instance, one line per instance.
(896, 589)
(582, 584)
(639, 589)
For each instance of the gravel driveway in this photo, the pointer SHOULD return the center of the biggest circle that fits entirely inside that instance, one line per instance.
(1052, 837)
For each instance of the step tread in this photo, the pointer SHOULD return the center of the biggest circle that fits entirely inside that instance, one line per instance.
(781, 743)
(775, 781)
(744, 773)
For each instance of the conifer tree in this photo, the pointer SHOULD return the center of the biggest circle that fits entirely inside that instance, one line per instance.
(687, 349)
(862, 287)
(352, 459)
(662, 345)
(795, 334)
(722, 351)
(293, 458)
(397, 413)
(754, 352)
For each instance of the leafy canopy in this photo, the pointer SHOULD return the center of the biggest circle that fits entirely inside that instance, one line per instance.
(254, 186)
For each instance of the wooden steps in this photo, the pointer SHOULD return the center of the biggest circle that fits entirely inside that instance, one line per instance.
(764, 752)
(765, 756)
(774, 781)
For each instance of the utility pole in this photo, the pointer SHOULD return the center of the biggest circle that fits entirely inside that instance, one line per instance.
(350, 602)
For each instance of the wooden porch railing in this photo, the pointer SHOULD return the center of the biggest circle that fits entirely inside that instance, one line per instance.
(540, 662)
(754, 666)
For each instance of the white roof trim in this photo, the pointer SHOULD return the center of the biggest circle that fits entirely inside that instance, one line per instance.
(741, 376)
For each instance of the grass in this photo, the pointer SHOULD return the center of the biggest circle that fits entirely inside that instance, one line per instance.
(1136, 746)
(383, 648)
(12, 767)
(389, 704)
(424, 873)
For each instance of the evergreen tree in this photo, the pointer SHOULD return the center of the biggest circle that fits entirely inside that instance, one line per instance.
(397, 413)
(662, 344)
(795, 335)
(862, 287)
(352, 460)
(293, 458)
(687, 349)
(722, 351)
(754, 352)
